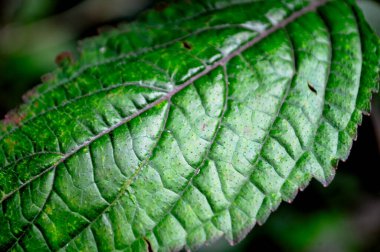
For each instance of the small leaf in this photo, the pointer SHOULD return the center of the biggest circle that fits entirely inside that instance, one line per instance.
(190, 124)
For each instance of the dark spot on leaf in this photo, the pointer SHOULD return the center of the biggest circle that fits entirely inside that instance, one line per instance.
(64, 58)
(161, 6)
(203, 127)
(47, 77)
(105, 28)
(26, 97)
(187, 45)
(150, 249)
(311, 87)
(13, 117)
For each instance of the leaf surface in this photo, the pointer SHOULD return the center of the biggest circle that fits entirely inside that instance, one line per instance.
(190, 124)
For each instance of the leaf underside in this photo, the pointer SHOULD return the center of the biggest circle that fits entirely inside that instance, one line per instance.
(190, 124)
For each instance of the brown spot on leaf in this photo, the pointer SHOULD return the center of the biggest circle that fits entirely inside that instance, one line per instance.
(13, 117)
(187, 45)
(161, 6)
(49, 210)
(26, 97)
(47, 77)
(105, 28)
(11, 143)
(64, 58)
(203, 127)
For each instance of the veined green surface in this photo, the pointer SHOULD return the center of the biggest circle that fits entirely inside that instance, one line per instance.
(190, 124)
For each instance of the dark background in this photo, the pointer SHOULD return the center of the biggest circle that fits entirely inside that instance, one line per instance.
(342, 217)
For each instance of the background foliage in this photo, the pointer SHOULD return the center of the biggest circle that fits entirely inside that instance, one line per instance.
(343, 217)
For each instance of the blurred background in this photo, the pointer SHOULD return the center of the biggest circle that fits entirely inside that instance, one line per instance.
(342, 217)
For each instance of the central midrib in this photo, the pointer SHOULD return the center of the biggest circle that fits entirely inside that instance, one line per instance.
(222, 62)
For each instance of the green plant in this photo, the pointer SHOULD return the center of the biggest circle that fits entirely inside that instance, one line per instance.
(190, 124)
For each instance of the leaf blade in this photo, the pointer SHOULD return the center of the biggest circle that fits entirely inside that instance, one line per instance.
(170, 231)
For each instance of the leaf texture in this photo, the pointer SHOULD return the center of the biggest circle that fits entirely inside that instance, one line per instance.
(190, 124)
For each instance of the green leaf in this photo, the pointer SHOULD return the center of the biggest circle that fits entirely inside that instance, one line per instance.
(190, 124)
